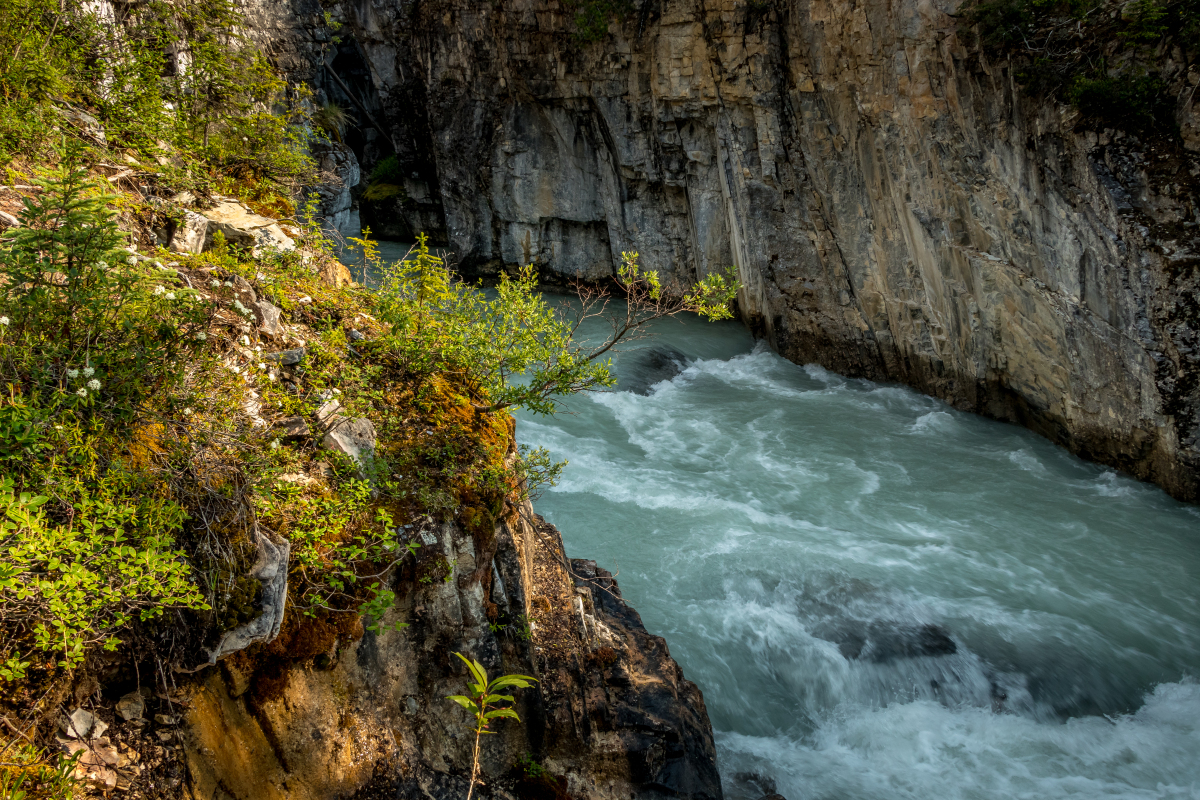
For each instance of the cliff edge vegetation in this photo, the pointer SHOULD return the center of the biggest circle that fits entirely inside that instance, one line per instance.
(212, 439)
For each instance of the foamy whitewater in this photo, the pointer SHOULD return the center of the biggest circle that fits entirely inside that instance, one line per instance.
(880, 596)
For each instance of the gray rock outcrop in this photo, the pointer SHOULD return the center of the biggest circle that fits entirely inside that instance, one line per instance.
(271, 570)
(190, 233)
(244, 228)
(340, 173)
(367, 716)
(353, 437)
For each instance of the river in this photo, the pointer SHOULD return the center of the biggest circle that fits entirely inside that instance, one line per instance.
(880, 596)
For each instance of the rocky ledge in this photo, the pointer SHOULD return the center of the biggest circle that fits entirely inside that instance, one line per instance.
(350, 713)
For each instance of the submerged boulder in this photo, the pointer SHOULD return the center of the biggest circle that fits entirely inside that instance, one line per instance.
(651, 366)
(880, 642)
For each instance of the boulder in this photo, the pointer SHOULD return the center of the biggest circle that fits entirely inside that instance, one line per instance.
(79, 724)
(268, 317)
(287, 358)
(335, 273)
(327, 413)
(86, 124)
(244, 228)
(354, 437)
(881, 642)
(650, 367)
(131, 706)
(292, 428)
(190, 233)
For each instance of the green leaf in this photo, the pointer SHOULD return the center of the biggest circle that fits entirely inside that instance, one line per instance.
(496, 698)
(520, 681)
(502, 712)
(477, 671)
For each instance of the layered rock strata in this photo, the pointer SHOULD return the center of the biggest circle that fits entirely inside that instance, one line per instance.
(896, 208)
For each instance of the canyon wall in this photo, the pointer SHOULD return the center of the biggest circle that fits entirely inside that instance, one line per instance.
(895, 207)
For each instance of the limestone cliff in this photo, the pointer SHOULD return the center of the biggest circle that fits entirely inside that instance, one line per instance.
(612, 716)
(896, 207)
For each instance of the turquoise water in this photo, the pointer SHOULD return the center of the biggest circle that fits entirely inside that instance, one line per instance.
(390, 251)
(880, 596)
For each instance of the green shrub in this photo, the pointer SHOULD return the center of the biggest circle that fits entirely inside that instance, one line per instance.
(29, 772)
(387, 171)
(592, 17)
(515, 349)
(216, 104)
(1060, 49)
(1001, 23)
(484, 702)
(1122, 101)
(88, 337)
(1145, 21)
(66, 587)
(84, 325)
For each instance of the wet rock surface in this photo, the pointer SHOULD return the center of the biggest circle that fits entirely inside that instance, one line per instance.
(883, 642)
(653, 365)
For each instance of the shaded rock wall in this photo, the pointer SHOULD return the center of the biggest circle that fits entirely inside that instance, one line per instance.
(369, 718)
(895, 207)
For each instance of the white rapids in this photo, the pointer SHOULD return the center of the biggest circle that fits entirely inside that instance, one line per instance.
(880, 596)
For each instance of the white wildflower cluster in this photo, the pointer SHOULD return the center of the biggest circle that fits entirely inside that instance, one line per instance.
(187, 412)
(102, 265)
(4, 320)
(158, 290)
(202, 336)
(241, 309)
(170, 295)
(87, 372)
(216, 284)
(132, 260)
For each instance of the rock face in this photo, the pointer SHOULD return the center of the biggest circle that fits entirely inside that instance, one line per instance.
(896, 208)
(244, 228)
(340, 173)
(364, 715)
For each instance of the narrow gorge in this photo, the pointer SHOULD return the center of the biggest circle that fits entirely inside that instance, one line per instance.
(897, 206)
(905, 510)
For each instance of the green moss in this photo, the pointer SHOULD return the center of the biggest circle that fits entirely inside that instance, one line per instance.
(387, 171)
(592, 17)
(378, 192)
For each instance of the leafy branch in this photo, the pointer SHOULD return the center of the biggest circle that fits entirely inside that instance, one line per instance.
(483, 705)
